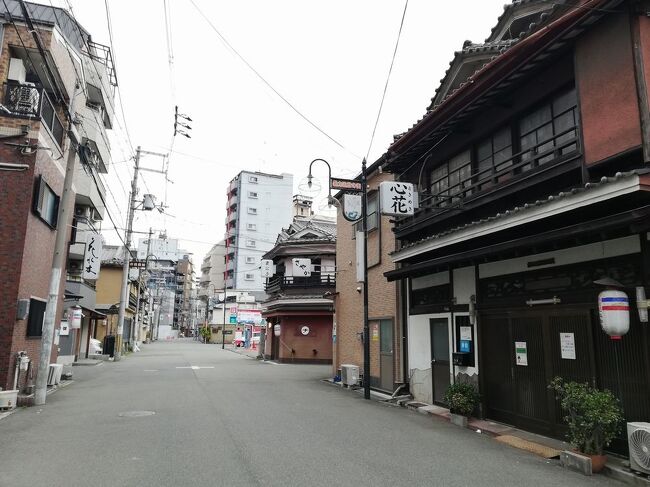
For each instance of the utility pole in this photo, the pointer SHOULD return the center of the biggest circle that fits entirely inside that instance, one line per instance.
(60, 252)
(124, 294)
(135, 330)
(223, 330)
(366, 328)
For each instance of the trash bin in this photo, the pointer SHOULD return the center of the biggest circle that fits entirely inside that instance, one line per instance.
(109, 345)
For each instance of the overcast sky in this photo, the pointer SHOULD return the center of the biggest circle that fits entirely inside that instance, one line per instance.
(329, 59)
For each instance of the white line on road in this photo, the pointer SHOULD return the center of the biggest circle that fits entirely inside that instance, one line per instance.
(195, 367)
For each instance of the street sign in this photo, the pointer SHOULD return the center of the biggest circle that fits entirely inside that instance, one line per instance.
(397, 199)
(345, 184)
(137, 264)
(233, 320)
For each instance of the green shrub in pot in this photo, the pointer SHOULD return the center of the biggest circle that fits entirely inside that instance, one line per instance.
(594, 417)
(462, 398)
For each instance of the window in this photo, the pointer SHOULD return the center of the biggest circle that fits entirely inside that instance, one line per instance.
(252, 179)
(373, 215)
(35, 319)
(46, 203)
(251, 226)
(250, 260)
(550, 128)
(252, 211)
(252, 194)
(250, 244)
(249, 277)
(494, 154)
(451, 178)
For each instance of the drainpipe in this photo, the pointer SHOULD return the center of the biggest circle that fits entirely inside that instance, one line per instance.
(639, 76)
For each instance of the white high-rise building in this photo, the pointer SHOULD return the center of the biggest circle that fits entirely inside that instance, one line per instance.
(259, 206)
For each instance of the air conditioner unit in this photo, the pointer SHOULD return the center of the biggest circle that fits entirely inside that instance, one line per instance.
(54, 374)
(82, 211)
(638, 440)
(350, 374)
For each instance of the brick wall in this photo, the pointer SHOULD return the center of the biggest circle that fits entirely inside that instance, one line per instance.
(381, 294)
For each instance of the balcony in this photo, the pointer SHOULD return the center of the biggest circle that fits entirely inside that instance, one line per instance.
(232, 201)
(27, 100)
(279, 283)
(468, 189)
(232, 216)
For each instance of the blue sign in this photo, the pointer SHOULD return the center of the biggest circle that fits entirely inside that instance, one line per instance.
(465, 346)
(233, 320)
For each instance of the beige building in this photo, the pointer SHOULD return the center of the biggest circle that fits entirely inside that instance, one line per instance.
(385, 324)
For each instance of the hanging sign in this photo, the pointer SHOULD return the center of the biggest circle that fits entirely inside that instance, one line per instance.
(614, 310)
(397, 199)
(375, 333)
(521, 353)
(92, 256)
(276, 330)
(345, 184)
(567, 346)
(352, 207)
(267, 268)
(301, 267)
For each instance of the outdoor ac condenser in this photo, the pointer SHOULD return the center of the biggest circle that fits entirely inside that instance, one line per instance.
(54, 374)
(638, 440)
(349, 374)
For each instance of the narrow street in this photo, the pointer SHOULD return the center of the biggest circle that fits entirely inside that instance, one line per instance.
(225, 419)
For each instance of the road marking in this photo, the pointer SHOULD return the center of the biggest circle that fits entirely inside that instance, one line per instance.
(151, 370)
(195, 367)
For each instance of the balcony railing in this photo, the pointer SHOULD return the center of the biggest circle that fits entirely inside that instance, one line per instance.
(554, 149)
(279, 283)
(31, 101)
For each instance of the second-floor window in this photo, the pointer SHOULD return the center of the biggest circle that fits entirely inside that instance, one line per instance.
(452, 178)
(46, 203)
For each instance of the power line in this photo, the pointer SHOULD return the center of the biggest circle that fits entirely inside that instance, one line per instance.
(304, 117)
(390, 70)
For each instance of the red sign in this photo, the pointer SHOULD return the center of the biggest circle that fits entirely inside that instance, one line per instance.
(345, 184)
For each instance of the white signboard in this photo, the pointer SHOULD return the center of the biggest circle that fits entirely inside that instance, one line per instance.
(74, 317)
(466, 333)
(521, 353)
(301, 267)
(65, 329)
(267, 267)
(92, 256)
(359, 249)
(397, 199)
(568, 346)
(352, 207)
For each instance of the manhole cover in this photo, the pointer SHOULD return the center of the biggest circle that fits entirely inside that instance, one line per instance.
(136, 414)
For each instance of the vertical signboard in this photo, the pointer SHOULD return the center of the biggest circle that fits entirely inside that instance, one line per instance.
(92, 256)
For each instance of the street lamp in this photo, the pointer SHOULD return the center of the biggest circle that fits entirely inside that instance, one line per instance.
(364, 232)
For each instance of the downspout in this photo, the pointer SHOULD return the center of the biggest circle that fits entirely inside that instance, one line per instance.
(639, 76)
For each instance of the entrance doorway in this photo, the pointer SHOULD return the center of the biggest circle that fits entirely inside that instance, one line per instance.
(523, 351)
(439, 328)
(386, 380)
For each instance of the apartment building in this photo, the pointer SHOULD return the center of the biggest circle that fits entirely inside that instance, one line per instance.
(259, 206)
(52, 75)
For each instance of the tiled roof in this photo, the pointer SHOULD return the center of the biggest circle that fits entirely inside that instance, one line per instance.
(323, 227)
(528, 206)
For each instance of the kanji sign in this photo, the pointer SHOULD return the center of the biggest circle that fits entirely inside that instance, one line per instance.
(267, 268)
(397, 199)
(92, 256)
(302, 267)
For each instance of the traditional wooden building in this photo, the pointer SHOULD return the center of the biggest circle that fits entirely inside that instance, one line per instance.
(300, 307)
(532, 166)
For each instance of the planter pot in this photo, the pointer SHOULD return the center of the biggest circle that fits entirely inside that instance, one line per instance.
(8, 399)
(458, 419)
(598, 462)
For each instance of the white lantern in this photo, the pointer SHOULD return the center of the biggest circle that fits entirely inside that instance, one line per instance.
(276, 330)
(614, 309)
(75, 316)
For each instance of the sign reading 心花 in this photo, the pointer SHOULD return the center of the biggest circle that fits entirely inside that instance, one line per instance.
(397, 199)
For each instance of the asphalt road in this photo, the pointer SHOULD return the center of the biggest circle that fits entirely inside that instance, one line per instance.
(241, 422)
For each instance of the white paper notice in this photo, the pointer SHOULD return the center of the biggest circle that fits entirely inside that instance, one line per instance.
(521, 353)
(466, 333)
(568, 346)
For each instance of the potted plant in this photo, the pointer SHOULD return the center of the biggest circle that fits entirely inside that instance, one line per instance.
(462, 398)
(206, 334)
(594, 418)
